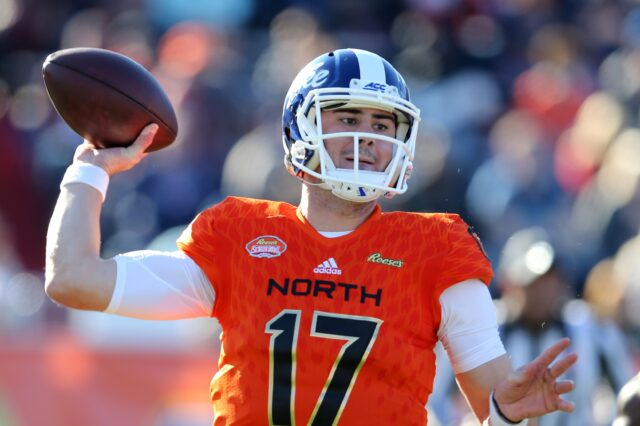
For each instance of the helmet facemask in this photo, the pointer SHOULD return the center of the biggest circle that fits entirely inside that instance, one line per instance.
(355, 184)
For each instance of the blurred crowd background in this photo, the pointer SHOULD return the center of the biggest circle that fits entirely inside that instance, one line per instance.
(530, 122)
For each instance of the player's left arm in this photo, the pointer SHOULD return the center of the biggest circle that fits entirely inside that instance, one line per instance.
(477, 384)
(469, 333)
(530, 391)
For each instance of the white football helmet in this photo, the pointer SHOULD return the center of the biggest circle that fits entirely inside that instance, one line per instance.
(348, 78)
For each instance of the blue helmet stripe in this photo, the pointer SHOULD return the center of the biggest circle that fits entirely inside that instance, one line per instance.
(390, 75)
(346, 67)
(394, 79)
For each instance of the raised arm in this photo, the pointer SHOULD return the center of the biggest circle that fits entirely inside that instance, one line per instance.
(75, 275)
(530, 391)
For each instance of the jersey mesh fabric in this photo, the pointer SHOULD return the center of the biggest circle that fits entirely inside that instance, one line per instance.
(390, 271)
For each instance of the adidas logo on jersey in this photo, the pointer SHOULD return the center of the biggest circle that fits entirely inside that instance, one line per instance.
(329, 266)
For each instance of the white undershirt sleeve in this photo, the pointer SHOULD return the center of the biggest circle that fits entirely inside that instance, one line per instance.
(160, 286)
(468, 327)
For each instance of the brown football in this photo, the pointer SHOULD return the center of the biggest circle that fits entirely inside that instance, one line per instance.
(107, 97)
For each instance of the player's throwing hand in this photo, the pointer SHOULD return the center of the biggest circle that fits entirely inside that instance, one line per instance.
(116, 160)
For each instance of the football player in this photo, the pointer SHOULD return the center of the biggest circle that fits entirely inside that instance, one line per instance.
(330, 310)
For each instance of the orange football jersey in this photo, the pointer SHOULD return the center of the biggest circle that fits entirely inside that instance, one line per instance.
(322, 330)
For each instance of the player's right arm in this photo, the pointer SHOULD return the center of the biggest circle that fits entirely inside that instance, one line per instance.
(75, 274)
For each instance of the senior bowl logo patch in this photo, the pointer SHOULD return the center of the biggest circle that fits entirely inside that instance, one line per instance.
(266, 246)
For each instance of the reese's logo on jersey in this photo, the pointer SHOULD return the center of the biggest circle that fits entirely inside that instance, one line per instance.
(377, 258)
(266, 246)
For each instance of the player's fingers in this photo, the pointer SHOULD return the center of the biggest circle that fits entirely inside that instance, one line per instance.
(563, 365)
(565, 406)
(527, 372)
(564, 386)
(144, 139)
(547, 357)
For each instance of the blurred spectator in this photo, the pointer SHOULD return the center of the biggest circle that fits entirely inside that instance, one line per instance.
(624, 282)
(19, 191)
(629, 404)
(537, 297)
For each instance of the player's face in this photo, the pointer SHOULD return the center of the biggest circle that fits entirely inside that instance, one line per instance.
(374, 154)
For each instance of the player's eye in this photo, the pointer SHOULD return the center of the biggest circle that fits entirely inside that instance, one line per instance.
(350, 121)
(380, 127)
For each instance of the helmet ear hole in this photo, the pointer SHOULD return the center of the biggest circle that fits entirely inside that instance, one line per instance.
(287, 132)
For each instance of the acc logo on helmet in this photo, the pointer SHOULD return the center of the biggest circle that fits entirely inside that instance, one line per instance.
(378, 87)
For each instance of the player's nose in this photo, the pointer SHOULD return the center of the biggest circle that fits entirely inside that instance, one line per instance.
(367, 141)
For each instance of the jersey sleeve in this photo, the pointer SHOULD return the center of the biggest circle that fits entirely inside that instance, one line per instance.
(469, 327)
(209, 239)
(466, 258)
(159, 286)
(195, 240)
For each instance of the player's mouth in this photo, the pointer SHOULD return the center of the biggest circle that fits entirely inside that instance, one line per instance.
(362, 160)
(364, 163)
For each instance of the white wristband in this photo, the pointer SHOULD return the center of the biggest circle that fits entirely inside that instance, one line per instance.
(496, 418)
(89, 174)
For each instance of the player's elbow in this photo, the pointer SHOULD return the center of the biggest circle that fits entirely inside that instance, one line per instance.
(61, 288)
(80, 287)
(54, 289)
